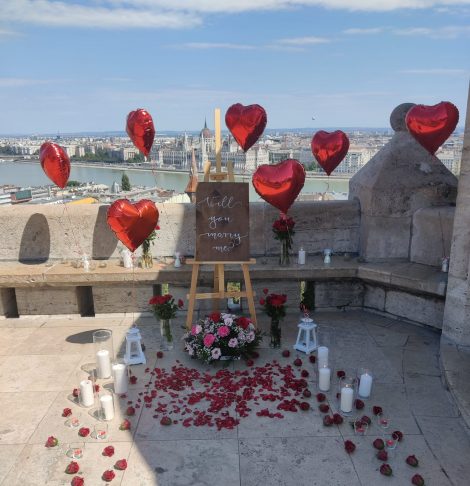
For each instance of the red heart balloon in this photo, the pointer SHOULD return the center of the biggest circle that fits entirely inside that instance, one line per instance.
(55, 163)
(140, 129)
(432, 125)
(280, 184)
(330, 149)
(132, 223)
(246, 124)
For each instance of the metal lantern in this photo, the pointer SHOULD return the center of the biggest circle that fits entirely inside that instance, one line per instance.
(134, 353)
(307, 337)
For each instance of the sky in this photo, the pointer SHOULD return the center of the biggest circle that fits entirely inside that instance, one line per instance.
(83, 65)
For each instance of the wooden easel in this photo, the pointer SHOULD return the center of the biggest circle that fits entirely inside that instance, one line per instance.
(219, 267)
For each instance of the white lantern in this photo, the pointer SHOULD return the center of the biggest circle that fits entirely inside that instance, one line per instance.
(134, 353)
(307, 337)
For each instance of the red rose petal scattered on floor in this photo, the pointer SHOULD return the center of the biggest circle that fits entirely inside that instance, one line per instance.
(83, 431)
(108, 476)
(72, 468)
(66, 412)
(77, 481)
(108, 451)
(121, 465)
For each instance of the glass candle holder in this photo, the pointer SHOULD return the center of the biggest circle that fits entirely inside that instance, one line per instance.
(347, 391)
(360, 427)
(390, 442)
(364, 380)
(383, 421)
(74, 450)
(104, 352)
(72, 422)
(101, 431)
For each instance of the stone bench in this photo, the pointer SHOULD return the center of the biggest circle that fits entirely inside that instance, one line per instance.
(412, 291)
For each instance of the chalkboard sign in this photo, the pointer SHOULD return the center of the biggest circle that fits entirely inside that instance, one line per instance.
(222, 222)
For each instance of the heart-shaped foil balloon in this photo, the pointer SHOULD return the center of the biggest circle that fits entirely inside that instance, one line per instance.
(140, 129)
(246, 124)
(432, 125)
(280, 184)
(132, 223)
(330, 149)
(55, 163)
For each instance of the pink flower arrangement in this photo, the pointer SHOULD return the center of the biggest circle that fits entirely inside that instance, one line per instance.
(209, 340)
(223, 331)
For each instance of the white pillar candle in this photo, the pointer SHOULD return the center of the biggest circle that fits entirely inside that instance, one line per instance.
(301, 256)
(324, 376)
(347, 398)
(120, 378)
(87, 397)
(107, 407)
(103, 364)
(322, 356)
(365, 385)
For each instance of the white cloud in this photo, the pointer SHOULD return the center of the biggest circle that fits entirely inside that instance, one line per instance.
(8, 33)
(436, 71)
(448, 32)
(74, 14)
(366, 31)
(214, 45)
(19, 82)
(303, 41)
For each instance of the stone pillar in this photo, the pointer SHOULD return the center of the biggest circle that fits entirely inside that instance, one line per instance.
(456, 324)
(401, 178)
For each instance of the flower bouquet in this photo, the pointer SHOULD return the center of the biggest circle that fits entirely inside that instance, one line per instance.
(274, 307)
(221, 336)
(283, 229)
(164, 308)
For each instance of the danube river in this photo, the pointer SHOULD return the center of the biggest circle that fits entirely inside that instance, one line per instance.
(26, 174)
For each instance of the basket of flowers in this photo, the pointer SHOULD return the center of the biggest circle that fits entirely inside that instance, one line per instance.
(221, 337)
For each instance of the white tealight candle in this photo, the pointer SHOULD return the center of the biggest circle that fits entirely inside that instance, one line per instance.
(324, 376)
(107, 407)
(322, 356)
(87, 397)
(120, 378)
(365, 385)
(103, 364)
(347, 398)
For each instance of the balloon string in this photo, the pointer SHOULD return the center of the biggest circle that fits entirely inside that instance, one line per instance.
(79, 249)
(133, 296)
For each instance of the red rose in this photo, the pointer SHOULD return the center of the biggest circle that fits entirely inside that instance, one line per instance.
(340, 374)
(312, 359)
(412, 461)
(337, 419)
(159, 354)
(378, 444)
(125, 425)
(108, 451)
(386, 470)
(133, 380)
(77, 481)
(265, 291)
(121, 465)
(66, 412)
(250, 362)
(376, 410)
(262, 302)
(75, 392)
(349, 446)
(382, 455)
(154, 300)
(304, 406)
(165, 421)
(297, 362)
(359, 404)
(51, 441)
(72, 468)
(130, 411)
(321, 397)
(180, 303)
(307, 393)
(304, 373)
(97, 388)
(108, 476)
(243, 322)
(366, 420)
(417, 480)
(215, 316)
(286, 353)
(397, 435)
(328, 421)
(324, 408)
(83, 431)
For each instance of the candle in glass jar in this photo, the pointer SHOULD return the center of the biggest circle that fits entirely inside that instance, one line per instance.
(103, 363)
(347, 398)
(365, 385)
(107, 407)
(87, 397)
(324, 375)
(322, 357)
(120, 378)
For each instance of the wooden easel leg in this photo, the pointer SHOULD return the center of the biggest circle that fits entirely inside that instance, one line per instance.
(249, 294)
(192, 295)
(215, 301)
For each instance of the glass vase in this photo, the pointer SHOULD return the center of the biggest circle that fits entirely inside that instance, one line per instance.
(166, 336)
(284, 255)
(146, 260)
(275, 333)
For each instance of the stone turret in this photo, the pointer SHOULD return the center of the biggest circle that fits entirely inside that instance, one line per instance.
(401, 178)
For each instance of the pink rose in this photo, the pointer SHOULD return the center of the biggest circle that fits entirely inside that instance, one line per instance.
(223, 331)
(195, 330)
(209, 340)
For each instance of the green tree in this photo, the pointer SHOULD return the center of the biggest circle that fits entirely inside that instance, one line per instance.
(73, 183)
(125, 183)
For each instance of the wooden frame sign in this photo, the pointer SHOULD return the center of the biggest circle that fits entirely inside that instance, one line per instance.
(222, 222)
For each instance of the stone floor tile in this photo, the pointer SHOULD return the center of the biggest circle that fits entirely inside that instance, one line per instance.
(98, 322)
(183, 463)
(8, 456)
(36, 372)
(313, 461)
(419, 360)
(386, 336)
(13, 339)
(394, 359)
(21, 414)
(20, 322)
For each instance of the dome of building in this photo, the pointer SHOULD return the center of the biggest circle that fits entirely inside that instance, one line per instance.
(205, 132)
